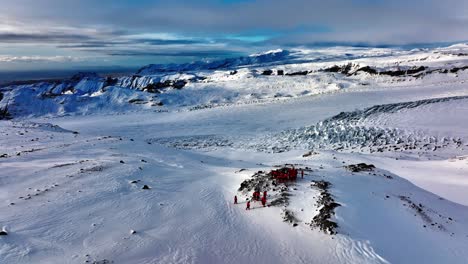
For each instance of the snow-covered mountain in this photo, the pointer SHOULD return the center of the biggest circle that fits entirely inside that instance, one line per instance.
(269, 57)
(144, 168)
(264, 77)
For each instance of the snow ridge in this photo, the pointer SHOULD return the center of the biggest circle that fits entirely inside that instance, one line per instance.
(255, 59)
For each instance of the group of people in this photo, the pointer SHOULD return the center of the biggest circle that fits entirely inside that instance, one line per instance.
(255, 197)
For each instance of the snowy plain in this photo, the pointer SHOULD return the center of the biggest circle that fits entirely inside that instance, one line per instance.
(76, 161)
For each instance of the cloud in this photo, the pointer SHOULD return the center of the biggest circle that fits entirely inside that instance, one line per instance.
(195, 53)
(212, 28)
(41, 37)
(40, 59)
(347, 20)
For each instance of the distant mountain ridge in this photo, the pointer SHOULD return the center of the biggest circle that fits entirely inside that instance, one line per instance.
(260, 58)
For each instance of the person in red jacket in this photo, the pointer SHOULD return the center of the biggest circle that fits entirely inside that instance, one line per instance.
(235, 199)
(248, 205)
(263, 201)
(256, 196)
(264, 194)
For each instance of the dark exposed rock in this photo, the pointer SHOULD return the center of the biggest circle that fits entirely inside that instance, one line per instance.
(110, 81)
(146, 187)
(259, 180)
(156, 87)
(137, 101)
(418, 209)
(322, 185)
(263, 181)
(322, 219)
(3, 233)
(410, 71)
(457, 69)
(297, 73)
(334, 68)
(348, 70)
(360, 167)
(5, 114)
(288, 216)
(153, 88)
(179, 84)
(267, 72)
(308, 154)
(345, 69)
(367, 69)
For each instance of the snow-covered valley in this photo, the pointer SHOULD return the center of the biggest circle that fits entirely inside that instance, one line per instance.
(144, 168)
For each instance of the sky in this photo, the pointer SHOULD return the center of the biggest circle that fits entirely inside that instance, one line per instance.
(73, 34)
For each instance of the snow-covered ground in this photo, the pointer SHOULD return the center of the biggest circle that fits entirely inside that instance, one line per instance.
(76, 155)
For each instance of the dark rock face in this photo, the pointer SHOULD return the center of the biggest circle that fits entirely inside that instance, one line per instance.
(328, 205)
(152, 88)
(348, 70)
(280, 72)
(404, 72)
(267, 72)
(3, 233)
(5, 114)
(137, 101)
(367, 69)
(146, 187)
(334, 68)
(110, 81)
(179, 84)
(156, 87)
(345, 69)
(297, 73)
(360, 167)
(457, 69)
